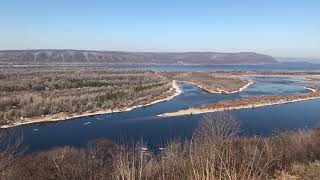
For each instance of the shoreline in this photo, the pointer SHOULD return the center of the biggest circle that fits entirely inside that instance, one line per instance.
(63, 117)
(220, 91)
(311, 89)
(192, 111)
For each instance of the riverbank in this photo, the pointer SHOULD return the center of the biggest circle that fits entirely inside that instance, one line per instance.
(174, 91)
(245, 103)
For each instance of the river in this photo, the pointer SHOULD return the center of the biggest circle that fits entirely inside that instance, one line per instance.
(143, 124)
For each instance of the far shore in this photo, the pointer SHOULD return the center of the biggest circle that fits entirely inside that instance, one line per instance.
(63, 116)
(192, 111)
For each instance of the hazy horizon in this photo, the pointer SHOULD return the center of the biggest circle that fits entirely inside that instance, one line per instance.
(280, 29)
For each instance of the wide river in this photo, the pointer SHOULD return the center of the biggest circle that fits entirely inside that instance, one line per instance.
(143, 124)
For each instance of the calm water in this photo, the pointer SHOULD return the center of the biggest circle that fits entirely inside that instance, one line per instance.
(284, 66)
(143, 124)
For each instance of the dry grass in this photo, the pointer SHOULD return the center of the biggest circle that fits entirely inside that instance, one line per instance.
(309, 171)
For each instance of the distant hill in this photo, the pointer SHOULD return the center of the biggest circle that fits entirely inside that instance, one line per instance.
(116, 57)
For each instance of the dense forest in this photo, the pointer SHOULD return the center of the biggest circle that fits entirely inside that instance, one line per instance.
(36, 92)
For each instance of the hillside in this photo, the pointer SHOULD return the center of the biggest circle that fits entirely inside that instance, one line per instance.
(116, 57)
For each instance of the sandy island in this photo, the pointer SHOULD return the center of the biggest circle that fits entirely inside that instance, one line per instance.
(175, 90)
(219, 90)
(212, 82)
(245, 104)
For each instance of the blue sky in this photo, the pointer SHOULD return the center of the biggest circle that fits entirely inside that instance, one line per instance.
(288, 28)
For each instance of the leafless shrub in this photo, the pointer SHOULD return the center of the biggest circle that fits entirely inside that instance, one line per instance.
(66, 163)
(137, 163)
(216, 154)
(11, 148)
(174, 161)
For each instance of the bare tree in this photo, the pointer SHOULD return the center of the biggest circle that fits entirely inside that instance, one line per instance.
(11, 149)
(214, 151)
